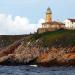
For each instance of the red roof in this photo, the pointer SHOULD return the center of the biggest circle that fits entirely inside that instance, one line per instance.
(54, 23)
(72, 20)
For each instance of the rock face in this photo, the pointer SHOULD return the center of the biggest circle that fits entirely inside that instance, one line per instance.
(20, 53)
(46, 50)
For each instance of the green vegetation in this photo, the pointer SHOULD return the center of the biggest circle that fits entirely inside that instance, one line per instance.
(57, 38)
(6, 40)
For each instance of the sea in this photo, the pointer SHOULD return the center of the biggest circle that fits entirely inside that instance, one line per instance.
(35, 70)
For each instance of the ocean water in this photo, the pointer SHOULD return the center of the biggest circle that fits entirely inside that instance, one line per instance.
(30, 70)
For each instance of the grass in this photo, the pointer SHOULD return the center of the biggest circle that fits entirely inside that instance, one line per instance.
(57, 38)
(6, 40)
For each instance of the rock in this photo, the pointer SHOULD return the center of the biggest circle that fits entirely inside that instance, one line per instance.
(21, 52)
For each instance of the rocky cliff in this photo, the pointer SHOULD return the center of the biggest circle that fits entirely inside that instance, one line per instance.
(50, 48)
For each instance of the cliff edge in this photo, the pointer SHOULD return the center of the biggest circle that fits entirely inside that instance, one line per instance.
(46, 49)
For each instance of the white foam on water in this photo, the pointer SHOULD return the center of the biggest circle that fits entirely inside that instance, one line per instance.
(33, 65)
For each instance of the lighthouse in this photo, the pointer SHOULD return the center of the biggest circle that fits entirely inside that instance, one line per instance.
(50, 25)
(48, 16)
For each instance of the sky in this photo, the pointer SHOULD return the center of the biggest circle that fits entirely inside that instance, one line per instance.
(25, 16)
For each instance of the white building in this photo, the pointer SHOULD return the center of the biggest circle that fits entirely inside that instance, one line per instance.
(70, 23)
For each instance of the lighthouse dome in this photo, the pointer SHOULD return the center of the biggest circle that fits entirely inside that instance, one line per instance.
(49, 10)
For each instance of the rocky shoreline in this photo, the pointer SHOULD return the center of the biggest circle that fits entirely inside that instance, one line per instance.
(47, 49)
(18, 54)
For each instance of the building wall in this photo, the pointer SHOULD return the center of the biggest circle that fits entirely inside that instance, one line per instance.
(41, 30)
(69, 24)
(49, 27)
(55, 26)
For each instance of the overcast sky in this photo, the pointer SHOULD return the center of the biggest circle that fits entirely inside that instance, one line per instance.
(25, 16)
